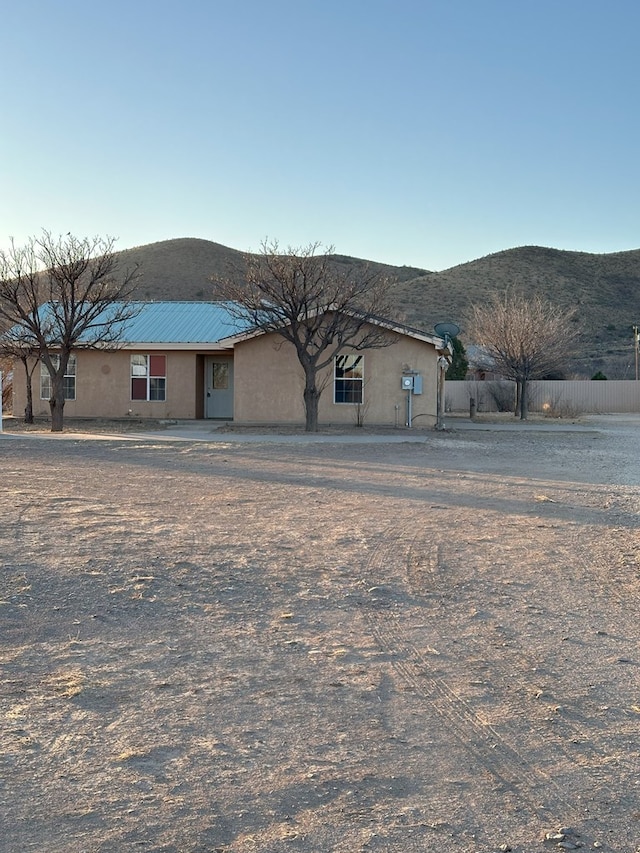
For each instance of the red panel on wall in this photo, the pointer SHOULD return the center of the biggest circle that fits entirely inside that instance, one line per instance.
(138, 389)
(157, 365)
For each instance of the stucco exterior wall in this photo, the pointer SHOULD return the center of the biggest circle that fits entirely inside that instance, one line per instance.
(103, 387)
(269, 384)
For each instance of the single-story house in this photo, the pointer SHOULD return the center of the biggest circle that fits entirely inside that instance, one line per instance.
(189, 360)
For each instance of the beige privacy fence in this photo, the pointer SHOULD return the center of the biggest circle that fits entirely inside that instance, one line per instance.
(562, 398)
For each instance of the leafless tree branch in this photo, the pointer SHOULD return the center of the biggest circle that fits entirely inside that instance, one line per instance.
(319, 306)
(63, 293)
(526, 337)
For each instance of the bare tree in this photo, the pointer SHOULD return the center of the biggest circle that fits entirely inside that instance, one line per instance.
(526, 337)
(12, 349)
(315, 303)
(62, 294)
(6, 374)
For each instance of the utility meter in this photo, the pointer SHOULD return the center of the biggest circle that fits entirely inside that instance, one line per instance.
(407, 383)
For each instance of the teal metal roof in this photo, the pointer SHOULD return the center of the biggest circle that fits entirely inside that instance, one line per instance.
(181, 322)
(160, 323)
(188, 323)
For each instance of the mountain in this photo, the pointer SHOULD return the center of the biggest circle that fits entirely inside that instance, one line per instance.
(604, 287)
(183, 268)
(180, 269)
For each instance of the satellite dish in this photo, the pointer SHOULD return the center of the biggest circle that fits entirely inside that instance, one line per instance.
(446, 330)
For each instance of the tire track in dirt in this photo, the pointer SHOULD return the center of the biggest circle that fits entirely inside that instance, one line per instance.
(572, 742)
(615, 565)
(514, 773)
(580, 747)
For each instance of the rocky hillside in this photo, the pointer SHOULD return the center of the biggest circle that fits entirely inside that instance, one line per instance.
(606, 289)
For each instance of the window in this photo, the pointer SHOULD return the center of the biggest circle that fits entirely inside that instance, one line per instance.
(220, 375)
(348, 383)
(148, 377)
(68, 381)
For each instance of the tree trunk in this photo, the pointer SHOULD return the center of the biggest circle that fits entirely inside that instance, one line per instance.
(56, 405)
(311, 399)
(28, 409)
(524, 400)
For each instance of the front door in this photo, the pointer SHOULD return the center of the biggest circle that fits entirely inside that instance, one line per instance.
(219, 387)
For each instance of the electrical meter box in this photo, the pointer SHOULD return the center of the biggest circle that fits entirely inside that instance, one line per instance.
(412, 382)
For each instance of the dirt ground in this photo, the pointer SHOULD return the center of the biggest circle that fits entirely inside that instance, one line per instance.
(227, 647)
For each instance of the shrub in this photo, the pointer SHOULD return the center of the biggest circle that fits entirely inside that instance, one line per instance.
(559, 408)
(502, 394)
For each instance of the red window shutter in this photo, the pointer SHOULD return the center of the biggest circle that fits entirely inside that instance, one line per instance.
(138, 388)
(157, 365)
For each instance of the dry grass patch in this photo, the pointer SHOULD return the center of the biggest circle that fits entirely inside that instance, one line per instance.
(66, 682)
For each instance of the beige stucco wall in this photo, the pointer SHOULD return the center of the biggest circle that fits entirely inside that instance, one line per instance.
(103, 387)
(269, 384)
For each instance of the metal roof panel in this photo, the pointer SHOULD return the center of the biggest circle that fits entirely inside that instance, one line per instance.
(181, 322)
(169, 322)
(194, 323)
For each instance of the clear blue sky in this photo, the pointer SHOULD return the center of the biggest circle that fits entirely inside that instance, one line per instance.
(418, 132)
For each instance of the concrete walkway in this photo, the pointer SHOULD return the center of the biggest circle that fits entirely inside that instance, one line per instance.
(203, 431)
(207, 434)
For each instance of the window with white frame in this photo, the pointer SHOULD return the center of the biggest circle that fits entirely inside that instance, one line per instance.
(148, 377)
(348, 381)
(68, 381)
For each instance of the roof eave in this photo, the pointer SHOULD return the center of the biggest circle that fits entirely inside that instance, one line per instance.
(434, 340)
(171, 346)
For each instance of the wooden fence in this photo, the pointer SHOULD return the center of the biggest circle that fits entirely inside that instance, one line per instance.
(567, 398)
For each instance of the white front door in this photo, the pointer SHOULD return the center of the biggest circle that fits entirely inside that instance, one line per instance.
(219, 387)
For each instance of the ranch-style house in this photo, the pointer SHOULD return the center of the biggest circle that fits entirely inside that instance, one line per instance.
(192, 360)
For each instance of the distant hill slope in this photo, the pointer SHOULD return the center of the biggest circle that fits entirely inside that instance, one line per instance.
(180, 269)
(183, 268)
(606, 288)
